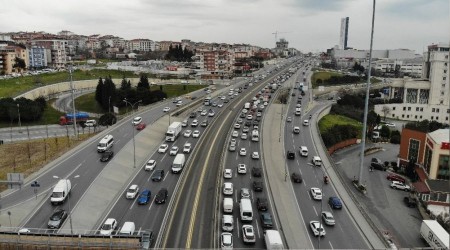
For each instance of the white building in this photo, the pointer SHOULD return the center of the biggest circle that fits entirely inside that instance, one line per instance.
(412, 67)
(141, 45)
(425, 99)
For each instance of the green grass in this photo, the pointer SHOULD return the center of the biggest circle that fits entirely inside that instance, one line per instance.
(331, 120)
(323, 75)
(177, 89)
(88, 103)
(15, 86)
(50, 116)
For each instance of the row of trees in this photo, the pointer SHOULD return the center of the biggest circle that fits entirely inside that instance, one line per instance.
(177, 53)
(335, 80)
(29, 110)
(339, 133)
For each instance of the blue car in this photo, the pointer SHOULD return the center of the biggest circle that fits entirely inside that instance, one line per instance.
(144, 197)
(335, 202)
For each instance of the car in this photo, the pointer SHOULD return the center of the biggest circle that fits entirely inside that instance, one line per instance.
(305, 122)
(106, 156)
(166, 109)
(299, 105)
(214, 104)
(242, 152)
(220, 105)
(227, 173)
(259, 114)
(266, 220)
(232, 147)
(184, 123)
(255, 155)
(249, 117)
(290, 154)
(256, 172)
(194, 123)
(289, 119)
(204, 112)
(226, 101)
(158, 175)
(187, 148)
(245, 129)
(316, 193)
(335, 202)
(261, 204)
(328, 218)
(293, 94)
(228, 188)
(226, 241)
(179, 103)
(244, 136)
(195, 134)
(248, 123)
(57, 219)
(400, 185)
(173, 150)
(163, 148)
(90, 123)
(248, 234)
(108, 227)
(204, 123)
(187, 133)
(296, 130)
(409, 201)
(242, 169)
(237, 126)
(161, 196)
(235, 134)
(317, 228)
(392, 125)
(144, 197)
(193, 115)
(377, 164)
(257, 186)
(255, 123)
(245, 193)
(394, 177)
(296, 177)
(211, 113)
(132, 191)
(137, 120)
(242, 115)
(151, 164)
(140, 126)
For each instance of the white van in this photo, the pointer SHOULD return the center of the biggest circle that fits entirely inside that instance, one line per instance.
(105, 143)
(227, 223)
(127, 228)
(61, 191)
(227, 205)
(304, 151)
(316, 161)
(178, 163)
(298, 111)
(246, 210)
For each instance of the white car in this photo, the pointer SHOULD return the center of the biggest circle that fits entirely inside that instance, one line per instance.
(288, 119)
(220, 105)
(296, 130)
(400, 185)
(245, 129)
(184, 123)
(235, 134)
(179, 103)
(255, 155)
(151, 164)
(227, 173)
(137, 120)
(237, 126)
(226, 241)
(228, 188)
(317, 228)
(328, 218)
(211, 113)
(305, 122)
(243, 152)
(259, 114)
(187, 133)
(316, 193)
(242, 169)
(196, 134)
(187, 148)
(194, 123)
(108, 227)
(248, 234)
(173, 150)
(249, 117)
(166, 109)
(163, 148)
(132, 191)
(244, 136)
(204, 112)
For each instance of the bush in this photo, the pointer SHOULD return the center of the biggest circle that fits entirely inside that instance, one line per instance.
(395, 137)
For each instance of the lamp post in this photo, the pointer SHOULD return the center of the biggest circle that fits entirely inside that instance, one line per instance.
(73, 104)
(68, 200)
(134, 143)
(18, 112)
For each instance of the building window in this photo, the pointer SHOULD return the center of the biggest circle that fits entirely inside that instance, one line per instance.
(432, 110)
(417, 108)
(432, 118)
(393, 115)
(407, 116)
(446, 118)
(404, 108)
(393, 108)
(421, 109)
(444, 78)
(413, 151)
(443, 172)
(409, 108)
(437, 110)
(415, 117)
(403, 116)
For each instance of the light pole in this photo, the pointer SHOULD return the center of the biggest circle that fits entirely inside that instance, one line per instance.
(73, 104)
(18, 112)
(68, 200)
(134, 143)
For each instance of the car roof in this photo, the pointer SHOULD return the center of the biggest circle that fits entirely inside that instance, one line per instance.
(134, 186)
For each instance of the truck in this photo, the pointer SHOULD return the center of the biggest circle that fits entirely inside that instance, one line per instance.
(274, 86)
(178, 163)
(68, 118)
(272, 239)
(434, 234)
(60, 191)
(173, 131)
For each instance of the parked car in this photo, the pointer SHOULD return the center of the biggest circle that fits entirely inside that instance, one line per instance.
(409, 201)
(377, 164)
(400, 185)
(394, 177)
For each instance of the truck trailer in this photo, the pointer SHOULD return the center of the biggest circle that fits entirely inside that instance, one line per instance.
(434, 234)
(68, 118)
(173, 131)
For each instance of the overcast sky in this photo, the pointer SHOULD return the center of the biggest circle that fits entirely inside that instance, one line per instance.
(308, 25)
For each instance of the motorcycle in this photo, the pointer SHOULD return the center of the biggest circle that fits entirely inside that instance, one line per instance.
(325, 179)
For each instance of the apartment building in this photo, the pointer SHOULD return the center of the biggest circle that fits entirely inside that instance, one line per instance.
(37, 57)
(142, 45)
(424, 99)
(8, 54)
(413, 67)
(212, 64)
(56, 52)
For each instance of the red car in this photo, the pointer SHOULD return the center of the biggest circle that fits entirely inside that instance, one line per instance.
(140, 126)
(394, 177)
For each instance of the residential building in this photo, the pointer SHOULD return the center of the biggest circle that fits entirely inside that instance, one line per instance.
(412, 67)
(214, 63)
(141, 45)
(424, 99)
(38, 57)
(344, 33)
(8, 54)
(56, 52)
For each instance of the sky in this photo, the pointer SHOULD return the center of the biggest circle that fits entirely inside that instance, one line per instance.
(308, 25)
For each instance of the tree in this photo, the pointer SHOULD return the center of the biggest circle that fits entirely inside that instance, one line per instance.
(385, 132)
(125, 85)
(386, 110)
(108, 93)
(99, 90)
(107, 119)
(143, 83)
(19, 64)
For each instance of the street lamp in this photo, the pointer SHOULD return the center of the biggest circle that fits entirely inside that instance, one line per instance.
(68, 200)
(134, 143)
(18, 112)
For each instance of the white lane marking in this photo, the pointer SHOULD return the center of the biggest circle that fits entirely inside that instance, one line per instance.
(257, 229)
(331, 246)
(151, 204)
(315, 211)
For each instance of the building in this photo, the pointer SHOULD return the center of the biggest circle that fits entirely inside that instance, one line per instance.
(411, 67)
(213, 64)
(56, 52)
(38, 57)
(8, 54)
(141, 45)
(424, 99)
(344, 33)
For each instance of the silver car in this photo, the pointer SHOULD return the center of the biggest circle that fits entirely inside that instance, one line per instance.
(328, 218)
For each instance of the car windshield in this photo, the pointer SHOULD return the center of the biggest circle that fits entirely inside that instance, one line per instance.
(131, 190)
(106, 227)
(57, 195)
(55, 217)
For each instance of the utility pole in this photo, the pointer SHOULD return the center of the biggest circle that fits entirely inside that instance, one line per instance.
(18, 112)
(73, 104)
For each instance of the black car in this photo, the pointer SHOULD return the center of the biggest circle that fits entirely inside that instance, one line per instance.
(226, 101)
(409, 202)
(256, 172)
(193, 115)
(266, 220)
(255, 122)
(248, 123)
(57, 219)
(161, 196)
(107, 155)
(158, 175)
(296, 177)
(377, 164)
(257, 186)
(303, 92)
(299, 101)
(290, 154)
(261, 204)
(242, 115)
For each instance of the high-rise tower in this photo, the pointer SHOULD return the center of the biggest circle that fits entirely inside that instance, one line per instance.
(344, 33)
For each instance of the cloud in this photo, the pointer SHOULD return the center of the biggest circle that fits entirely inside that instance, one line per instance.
(414, 10)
